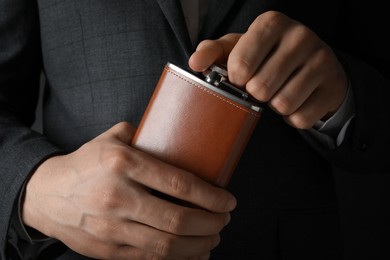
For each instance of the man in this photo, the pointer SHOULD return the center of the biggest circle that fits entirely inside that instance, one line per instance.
(81, 183)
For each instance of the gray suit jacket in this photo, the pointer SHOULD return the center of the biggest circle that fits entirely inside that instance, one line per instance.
(102, 60)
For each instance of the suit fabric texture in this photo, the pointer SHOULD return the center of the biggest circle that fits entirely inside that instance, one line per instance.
(102, 59)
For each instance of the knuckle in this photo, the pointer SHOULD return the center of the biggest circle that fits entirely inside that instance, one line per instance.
(205, 43)
(124, 126)
(116, 159)
(180, 184)
(105, 199)
(283, 104)
(240, 70)
(301, 121)
(109, 199)
(176, 222)
(323, 56)
(259, 89)
(301, 33)
(164, 247)
(269, 20)
(104, 228)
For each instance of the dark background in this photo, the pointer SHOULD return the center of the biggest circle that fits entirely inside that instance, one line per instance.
(364, 202)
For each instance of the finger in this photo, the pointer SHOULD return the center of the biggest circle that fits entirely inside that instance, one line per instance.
(108, 234)
(123, 131)
(279, 69)
(316, 70)
(103, 247)
(177, 219)
(103, 250)
(253, 48)
(209, 52)
(295, 91)
(126, 252)
(165, 244)
(312, 110)
(178, 183)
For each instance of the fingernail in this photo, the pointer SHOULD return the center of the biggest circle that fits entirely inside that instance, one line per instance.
(216, 241)
(228, 219)
(232, 203)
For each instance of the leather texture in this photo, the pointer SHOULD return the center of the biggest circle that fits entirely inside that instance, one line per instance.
(195, 128)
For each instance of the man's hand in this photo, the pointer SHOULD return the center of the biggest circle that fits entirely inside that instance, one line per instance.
(98, 201)
(283, 63)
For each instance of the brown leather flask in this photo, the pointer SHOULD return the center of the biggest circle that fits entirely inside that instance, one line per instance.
(199, 125)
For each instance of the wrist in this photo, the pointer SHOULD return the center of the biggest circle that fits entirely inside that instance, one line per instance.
(34, 216)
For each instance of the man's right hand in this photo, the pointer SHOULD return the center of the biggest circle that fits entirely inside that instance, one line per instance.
(98, 201)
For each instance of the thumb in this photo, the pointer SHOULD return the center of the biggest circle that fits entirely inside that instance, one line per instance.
(122, 131)
(211, 52)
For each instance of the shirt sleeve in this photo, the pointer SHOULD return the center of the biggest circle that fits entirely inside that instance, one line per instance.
(27, 243)
(331, 132)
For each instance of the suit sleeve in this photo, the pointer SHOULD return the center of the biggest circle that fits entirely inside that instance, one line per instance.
(363, 49)
(21, 149)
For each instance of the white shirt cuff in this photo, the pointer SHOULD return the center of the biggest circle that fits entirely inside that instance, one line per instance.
(331, 132)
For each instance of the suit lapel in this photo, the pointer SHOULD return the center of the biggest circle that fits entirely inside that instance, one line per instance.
(174, 15)
(217, 12)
